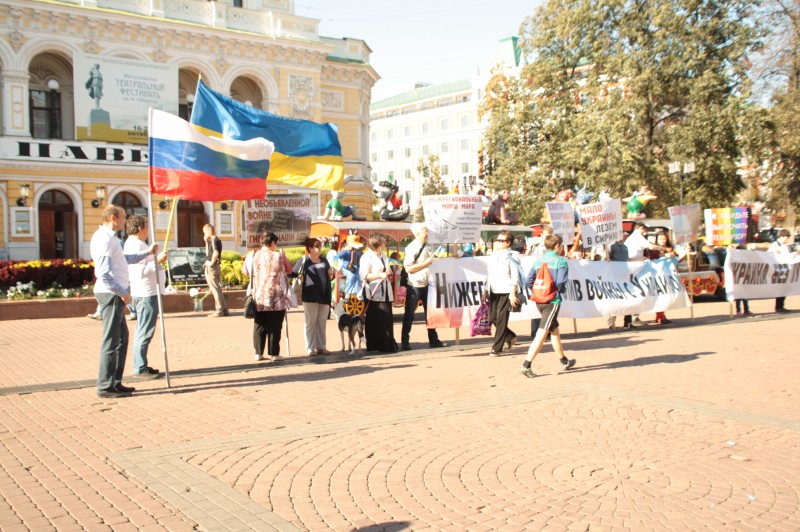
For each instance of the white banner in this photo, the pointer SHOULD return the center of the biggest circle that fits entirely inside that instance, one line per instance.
(562, 220)
(761, 275)
(113, 96)
(601, 222)
(453, 219)
(685, 223)
(595, 289)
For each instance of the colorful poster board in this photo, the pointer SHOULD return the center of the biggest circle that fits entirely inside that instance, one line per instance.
(726, 226)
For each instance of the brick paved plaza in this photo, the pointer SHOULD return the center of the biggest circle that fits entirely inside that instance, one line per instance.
(690, 426)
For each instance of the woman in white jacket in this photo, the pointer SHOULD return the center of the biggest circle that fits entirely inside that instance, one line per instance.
(376, 276)
(501, 287)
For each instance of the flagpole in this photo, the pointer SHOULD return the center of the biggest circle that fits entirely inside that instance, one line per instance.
(158, 285)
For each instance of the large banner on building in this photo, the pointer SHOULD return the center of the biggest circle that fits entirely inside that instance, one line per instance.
(287, 215)
(595, 289)
(113, 96)
(453, 219)
(761, 275)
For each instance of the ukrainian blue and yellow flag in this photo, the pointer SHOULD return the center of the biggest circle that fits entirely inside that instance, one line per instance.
(306, 154)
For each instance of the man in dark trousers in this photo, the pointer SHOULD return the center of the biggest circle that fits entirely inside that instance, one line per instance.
(417, 262)
(112, 291)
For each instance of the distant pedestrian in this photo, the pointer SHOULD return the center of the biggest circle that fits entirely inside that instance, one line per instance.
(559, 271)
(316, 274)
(112, 290)
(269, 288)
(781, 248)
(417, 263)
(213, 270)
(376, 276)
(502, 284)
(144, 292)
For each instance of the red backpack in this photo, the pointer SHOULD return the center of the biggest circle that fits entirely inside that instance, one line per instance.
(544, 288)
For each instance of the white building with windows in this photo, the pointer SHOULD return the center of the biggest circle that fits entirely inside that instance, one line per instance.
(439, 120)
(68, 147)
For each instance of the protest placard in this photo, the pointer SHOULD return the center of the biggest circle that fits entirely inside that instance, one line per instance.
(726, 226)
(452, 218)
(685, 223)
(751, 274)
(601, 222)
(287, 215)
(562, 219)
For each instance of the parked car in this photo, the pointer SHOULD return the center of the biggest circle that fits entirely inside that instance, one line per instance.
(769, 235)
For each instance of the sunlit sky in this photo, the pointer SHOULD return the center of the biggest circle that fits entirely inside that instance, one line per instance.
(433, 41)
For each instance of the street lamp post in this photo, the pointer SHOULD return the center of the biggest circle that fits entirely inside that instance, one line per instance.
(676, 167)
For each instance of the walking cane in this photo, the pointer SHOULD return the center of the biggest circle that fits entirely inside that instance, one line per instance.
(286, 318)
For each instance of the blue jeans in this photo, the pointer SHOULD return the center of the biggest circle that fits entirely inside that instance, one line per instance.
(114, 347)
(147, 314)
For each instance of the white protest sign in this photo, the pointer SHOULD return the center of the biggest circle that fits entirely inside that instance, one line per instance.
(685, 223)
(287, 215)
(761, 275)
(562, 219)
(452, 218)
(601, 222)
(594, 289)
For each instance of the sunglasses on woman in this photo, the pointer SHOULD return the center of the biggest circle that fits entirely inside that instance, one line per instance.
(502, 240)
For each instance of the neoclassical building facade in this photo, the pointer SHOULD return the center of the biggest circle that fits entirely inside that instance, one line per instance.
(56, 174)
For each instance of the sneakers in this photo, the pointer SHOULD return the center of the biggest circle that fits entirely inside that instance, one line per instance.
(130, 318)
(494, 353)
(258, 357)
(527, 372)
(637, 322)
(323, 352)
(567, 364)
(95, 316)
(277, 357)
(510, 344)
(216, 315)
(438, 344)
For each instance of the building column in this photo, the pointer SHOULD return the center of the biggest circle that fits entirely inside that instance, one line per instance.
(16, 102)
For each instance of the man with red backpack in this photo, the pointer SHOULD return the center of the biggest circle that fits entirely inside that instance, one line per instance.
(547, 281)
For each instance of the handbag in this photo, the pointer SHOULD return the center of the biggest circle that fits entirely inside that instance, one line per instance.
(297, 285)
(481, 323)
(249, 302)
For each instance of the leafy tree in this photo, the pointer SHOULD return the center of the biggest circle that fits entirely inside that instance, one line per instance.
(430, 174)
(614, 91)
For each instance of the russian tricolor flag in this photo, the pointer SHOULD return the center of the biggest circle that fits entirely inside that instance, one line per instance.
(186, 164)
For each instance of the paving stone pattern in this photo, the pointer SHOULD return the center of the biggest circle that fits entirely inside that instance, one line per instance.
(685, 427)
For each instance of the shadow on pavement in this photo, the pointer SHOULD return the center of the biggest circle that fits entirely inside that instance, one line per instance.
(335, 373)
(387, 526)
(642, 361)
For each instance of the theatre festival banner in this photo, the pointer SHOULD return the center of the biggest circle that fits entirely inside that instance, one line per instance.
(726, 226)
(287, 215)
(562, 219)
(113, 96)
(595, 289)
(761, 275)
(685, 223)
(452, 218)
(601, 222)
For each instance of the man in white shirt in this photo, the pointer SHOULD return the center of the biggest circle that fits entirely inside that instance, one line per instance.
(112, 291)
(144, 293)
(417, 262)
(781, 247)
(637, 244)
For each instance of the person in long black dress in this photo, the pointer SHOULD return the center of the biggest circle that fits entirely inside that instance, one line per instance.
(376, 276)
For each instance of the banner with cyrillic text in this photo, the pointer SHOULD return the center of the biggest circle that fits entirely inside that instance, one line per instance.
(595, 289)
(761, 275)
(562, 219)
(726, 226)
(601, 222)
(452, 218)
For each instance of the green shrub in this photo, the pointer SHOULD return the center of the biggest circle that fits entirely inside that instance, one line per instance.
(231, 255)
